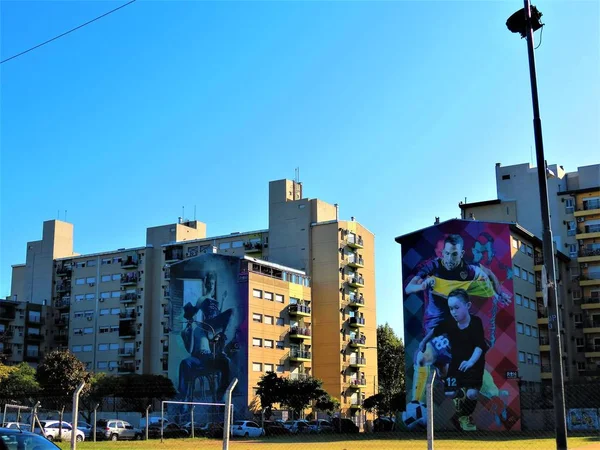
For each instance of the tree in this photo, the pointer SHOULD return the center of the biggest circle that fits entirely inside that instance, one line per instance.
(327, 403)
(270, 392)
(59, 375)
(299, 394)
(139, 391)
(18, 383)
(390, 364)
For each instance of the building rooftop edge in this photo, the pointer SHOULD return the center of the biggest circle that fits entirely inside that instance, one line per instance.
(109, 252)
(329, 222)
(579, 191)
(212, 238)
(462, 205)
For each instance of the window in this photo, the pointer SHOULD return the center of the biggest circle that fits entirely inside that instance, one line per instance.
(256, 367)
(115, 311)
(529, 250)
(256, 317)
(269, 368)
(529, 358)
(103, 330)
(578, 318)
(104, 294)
(90, 280)
(571, 228)
(525, 302)
(224, 245)
(104, 278)
(269, 320)
(76, 348)
(78, 315)
(280, 368)
(268, 343)
(256, 342)
(102, 365)
(576, 294)
(517, 271)
(569, 205)
(106, 261)
(279, 298)
(580, 365)
(530, 277)
(80, 265)
(506, 177)
(518, 299)
(90, 296)
(87, 348)
(515, 243)
(269, 296)
(523, 248)
(279, 344)
(114, 328)
(117, 260)
(102, 347)
(536, 360)
(519, 328)
(532, 305)
(524, 274)
(256, 293)
(89, 313)
(522, 357)
(115, 294)
(115, 347)
(573, 250)
(280, 321)
(91, 263)
(237, 244)
(88, 330)
(79, 297)
(579, 342)
(527, 330)
(80, 281)
(534, 332)
(116, 276)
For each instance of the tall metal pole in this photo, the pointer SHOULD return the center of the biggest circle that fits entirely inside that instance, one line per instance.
(554, 321)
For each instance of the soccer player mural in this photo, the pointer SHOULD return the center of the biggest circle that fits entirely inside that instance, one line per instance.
(459, 321)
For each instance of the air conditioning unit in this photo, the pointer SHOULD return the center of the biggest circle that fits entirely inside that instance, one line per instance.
(89, 319)
(91, 284)
(101, 300)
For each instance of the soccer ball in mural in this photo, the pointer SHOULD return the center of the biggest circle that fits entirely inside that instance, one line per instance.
(415, 415)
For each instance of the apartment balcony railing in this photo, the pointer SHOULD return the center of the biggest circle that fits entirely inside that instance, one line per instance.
(126, 351)
(590, 372)
(62, 303)
(61, 338)
(544, 340)
(61, 321)
(173, 254)
(63, 287)
(542, 312)
(356, 404)
(129, 262)
(299, 376)
(356, 281)
(299, 310)
(6, 334)
(589, 205)
(357, 302)
(538, 260)
(589, 252)
(300, 354)
(356, 261)
(64, 272)
(34, 336)
(128, 279)
(126, 332)
(546, 368)
(253, 247)
(357, 361)
(592, 347)
(128, 298)
(8, 314)
(300, 332)
(358, 342)
(33, 356)
(357, 321)
(36, 321)
(591, 300)
(357, 382)
(7, 351)
(355, 241)
(126, 368)
(127, 315)
(591, 323)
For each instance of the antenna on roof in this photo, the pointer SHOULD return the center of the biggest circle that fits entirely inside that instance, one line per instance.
(194, 213)
(183, 212)
(65, 215)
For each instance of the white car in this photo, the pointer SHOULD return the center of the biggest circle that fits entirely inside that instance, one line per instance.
(246, 428)
(297, 426)
(51, 430)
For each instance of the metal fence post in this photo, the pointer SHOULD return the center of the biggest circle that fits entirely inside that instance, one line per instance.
(430, 381)
(75, 414)
(95, 410)
(227, 424)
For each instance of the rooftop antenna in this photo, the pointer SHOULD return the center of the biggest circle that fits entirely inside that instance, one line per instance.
(58, 215)
(65, 215)
(183, 213)
(194, 213)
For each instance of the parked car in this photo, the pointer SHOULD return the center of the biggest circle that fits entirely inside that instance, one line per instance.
(344, 425)
(383, 424)
(200, 429)
(52, 431)
(116, 430)
(246, 428)
(275, 428)
(214, 430)
(85, 427)
(170, 430)
(13, 438)
(320, 426)
(297, 426)
(17, 426)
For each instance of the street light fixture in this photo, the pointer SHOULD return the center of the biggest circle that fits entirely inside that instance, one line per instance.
(525, 22)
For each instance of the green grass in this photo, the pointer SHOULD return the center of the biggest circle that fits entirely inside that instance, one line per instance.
(357, 442)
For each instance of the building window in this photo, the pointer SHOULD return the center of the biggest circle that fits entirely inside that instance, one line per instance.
(280, 368)
(532, 305)
(114, 328)
(102, 347)
(256, 342)
(256, 317)
(529, 250)
(90, 280)
(578, 318)
(76, 348)
(515, 243)
(269, 296)
(115, 294)
(269, 320)
(573, 250)
(79, 297)
(529, 358)
(279, 298)
(106, 261)
(104, 294)
(569, 206)
(256, 367)
(103, 330)
(269, 368)
(525, 302)
(80, 265)
(102, 365)
(88, 330)
(576, 294)
(536, 360)
(90, 296)
(80, 281)
(530, 278)
(518, 299)
(527, 330)
(522, 357)
(517, 271)
(519, 328)
(280, 321)
(116, 347)
(78, 315)
(534, 332)
(256, 293)
(279, 345)
(523, 248)
(224, 245)
(117, 260)
(116, 276)
(579, 342)
(524, 274)
(268, 343)
(87, 348)
(571, 228)
(580, 365)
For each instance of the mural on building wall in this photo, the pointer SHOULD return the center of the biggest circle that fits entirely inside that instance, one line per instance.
(583, 419)
(459, 319)
(208, 330)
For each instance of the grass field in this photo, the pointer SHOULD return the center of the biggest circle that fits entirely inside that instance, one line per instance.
(402, 442)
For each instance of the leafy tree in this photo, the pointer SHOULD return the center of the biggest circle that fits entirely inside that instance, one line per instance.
(327, 403)
(299, 394)
(18, 383)
(390, 367)
(59, 375)
(270, 392)
(139, 391)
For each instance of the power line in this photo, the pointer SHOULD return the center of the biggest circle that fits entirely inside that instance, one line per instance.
(67, 32)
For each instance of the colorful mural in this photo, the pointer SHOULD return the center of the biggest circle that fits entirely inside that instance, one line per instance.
(459, 320)
(208, 330)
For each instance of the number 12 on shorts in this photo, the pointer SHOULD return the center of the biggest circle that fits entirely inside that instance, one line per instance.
(451, 383)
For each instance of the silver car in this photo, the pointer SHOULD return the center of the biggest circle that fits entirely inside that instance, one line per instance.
(116, 430)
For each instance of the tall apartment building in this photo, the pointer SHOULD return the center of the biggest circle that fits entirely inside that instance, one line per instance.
(114, 308)
(574, 199)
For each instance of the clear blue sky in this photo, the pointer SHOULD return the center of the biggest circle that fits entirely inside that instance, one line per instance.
(395, 110)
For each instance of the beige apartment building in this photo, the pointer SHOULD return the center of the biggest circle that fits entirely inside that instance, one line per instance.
(574, 199)
(112, 309)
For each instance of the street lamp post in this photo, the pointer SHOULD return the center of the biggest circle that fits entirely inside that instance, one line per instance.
(523, 22)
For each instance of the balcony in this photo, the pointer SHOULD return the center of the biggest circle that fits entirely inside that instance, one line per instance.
(591, 326)
(588, 208)
(357, 383)
(358, 342)
(173, 254)
(35, 321)
(300, 355)
(126, 368)
(127, 315)
(128, 279)
(61, 338)
(299, 310)
(586, 255)
(253, 247)
(6, 352)
(591, 372)
(354, 241)
(300, 332)
(356, 262)
(33, 357)
(34, 337)
(590, 303)
(7, 314)
(546, 371)
(166, 293)
(356, 404)
(126, 351)
(128, 298)
(587, 280)
(592, 350)
(64, 272)
(166, 311)
(356, 282)
(299, 376)
(62, 303)
(130, 262)
(542, 314)
(588, 232)
(6, 334)
(357, 362)
(356, 302)
(61, 321)
(63, 287)
(544, 344)
(356, 322)
(126, 331)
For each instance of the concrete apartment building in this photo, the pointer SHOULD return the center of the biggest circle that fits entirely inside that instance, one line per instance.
(574, 199)
(112, 309)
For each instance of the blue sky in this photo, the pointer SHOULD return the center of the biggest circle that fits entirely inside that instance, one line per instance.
(395, 110)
